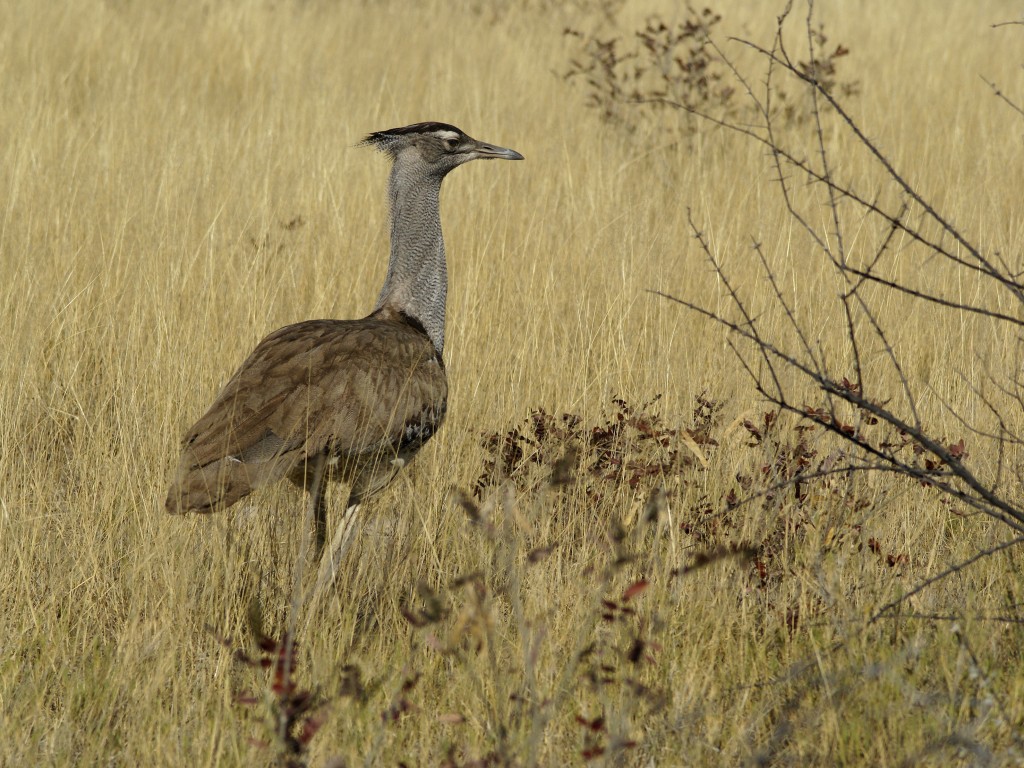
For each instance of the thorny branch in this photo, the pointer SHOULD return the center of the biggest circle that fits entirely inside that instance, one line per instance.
(948, 470)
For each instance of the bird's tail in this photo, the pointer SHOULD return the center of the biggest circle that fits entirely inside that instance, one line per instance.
(219, 484)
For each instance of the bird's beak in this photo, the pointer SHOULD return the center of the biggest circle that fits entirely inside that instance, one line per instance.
(487, 151)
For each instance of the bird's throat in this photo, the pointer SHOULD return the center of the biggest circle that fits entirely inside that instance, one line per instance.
(417, 278)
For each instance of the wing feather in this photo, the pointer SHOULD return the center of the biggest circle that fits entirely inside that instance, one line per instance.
(350, 389)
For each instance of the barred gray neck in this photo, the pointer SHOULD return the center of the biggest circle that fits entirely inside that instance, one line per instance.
(417, 279)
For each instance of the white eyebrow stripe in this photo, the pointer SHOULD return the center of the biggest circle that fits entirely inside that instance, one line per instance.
(447, 135)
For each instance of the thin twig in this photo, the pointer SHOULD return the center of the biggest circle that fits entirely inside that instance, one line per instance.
(882, 612)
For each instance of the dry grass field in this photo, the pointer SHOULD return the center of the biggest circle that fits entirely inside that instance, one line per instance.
(179, 179)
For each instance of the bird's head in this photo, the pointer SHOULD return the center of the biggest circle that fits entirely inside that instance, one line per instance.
(437, 146)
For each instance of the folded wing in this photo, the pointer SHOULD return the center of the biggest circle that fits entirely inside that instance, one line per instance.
(361, 392)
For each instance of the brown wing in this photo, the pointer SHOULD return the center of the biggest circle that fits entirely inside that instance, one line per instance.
(345, 388)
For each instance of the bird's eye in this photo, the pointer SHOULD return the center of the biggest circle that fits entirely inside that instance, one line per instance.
(451, 144)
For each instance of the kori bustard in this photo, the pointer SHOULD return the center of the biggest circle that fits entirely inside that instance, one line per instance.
(352, 400)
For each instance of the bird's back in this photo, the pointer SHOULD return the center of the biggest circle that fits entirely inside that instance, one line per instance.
(359, 391)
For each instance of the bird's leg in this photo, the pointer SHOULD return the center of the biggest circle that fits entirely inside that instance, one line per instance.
(339, 545)
(316, 484)
(320, 515)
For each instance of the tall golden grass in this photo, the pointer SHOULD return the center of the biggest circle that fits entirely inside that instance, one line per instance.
(177, 180)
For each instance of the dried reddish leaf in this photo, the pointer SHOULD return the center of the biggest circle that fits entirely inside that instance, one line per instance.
(636, 651)
(395, 711)
(451, 718)
(762, 571)
(538, 555)
(635, 589)
(414, 619)
(596, 725)
(410, 683)
(310, 727)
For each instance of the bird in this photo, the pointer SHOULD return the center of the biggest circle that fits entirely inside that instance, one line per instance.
(345, 400)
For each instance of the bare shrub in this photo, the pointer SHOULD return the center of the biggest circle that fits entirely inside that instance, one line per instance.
(873, 421)
(629, 77)
(293, 714)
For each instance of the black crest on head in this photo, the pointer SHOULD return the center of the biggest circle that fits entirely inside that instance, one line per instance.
(384, 140)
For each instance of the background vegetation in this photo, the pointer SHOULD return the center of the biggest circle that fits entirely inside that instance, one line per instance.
(645, 580)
